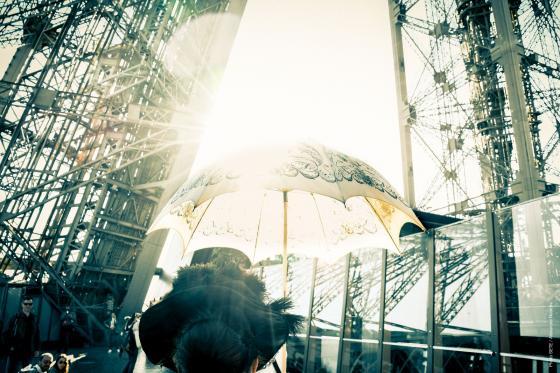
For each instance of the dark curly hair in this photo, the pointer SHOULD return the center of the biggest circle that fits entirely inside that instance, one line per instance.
(216, 319)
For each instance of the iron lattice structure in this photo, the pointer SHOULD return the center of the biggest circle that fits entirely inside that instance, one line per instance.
(478, 88)
(86, 142)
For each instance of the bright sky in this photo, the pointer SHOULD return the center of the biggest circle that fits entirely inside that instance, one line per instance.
(300, 69)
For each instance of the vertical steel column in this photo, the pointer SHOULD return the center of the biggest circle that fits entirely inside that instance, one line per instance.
(493, 258)
(343, 316)
(382, 288)
(402, 101)
(150, 252)
(40, 307)
(310, 314)
(52, 320)
(430, 244)
(13, 73)
(508, 54)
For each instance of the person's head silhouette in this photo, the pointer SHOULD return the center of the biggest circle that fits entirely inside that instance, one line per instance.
(216, 320)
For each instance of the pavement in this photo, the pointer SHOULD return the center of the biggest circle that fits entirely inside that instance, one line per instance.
(99, 359)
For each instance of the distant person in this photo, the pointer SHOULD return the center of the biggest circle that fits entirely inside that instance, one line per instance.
(111, 324)
(44, 364)
(67, 323)
(22, 337)
(216, 319)
(61, 364)
(131, 343)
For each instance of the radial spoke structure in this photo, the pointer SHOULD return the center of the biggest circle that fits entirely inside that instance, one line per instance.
(477, 87)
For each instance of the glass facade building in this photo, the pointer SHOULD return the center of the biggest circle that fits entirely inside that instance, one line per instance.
(480, 295)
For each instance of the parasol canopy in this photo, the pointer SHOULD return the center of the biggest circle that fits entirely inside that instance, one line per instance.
(306, 199)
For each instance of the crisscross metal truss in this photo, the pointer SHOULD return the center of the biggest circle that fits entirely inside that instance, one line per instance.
(85, 137)
(480, 99)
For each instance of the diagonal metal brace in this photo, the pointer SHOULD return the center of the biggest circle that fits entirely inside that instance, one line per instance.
(30, 250)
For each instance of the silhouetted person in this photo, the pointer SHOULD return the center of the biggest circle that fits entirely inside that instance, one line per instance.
(67, 323)
(216, 320)
(22, 337)
(131, 342)
(111, 324)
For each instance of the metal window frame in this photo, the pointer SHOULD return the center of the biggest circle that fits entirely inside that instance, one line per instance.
(430, 243)
(309, 313)
(383, 288)
(343, 316)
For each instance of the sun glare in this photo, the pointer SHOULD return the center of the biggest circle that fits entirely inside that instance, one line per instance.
(301, 72)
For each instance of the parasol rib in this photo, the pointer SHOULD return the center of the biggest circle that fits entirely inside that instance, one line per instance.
(259, 225)
(197, 224)
(320, 221)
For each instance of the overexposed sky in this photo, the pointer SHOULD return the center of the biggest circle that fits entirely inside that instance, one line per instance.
(310, 70)
(303, 69)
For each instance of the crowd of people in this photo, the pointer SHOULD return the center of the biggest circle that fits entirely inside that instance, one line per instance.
(47, 363)
(20, 343)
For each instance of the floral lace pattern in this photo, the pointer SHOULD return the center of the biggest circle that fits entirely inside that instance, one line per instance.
(309, 161)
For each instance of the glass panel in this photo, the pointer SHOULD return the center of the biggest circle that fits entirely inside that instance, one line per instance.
(359, 356)
(362, 305)
(462, 289)
(530, 243)
(327, 298)
(455, 361)
(271, 274)
(323, 353)
(300, 272)
(406, 290)
(362, 311)
(404, 359)
(296, 354)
